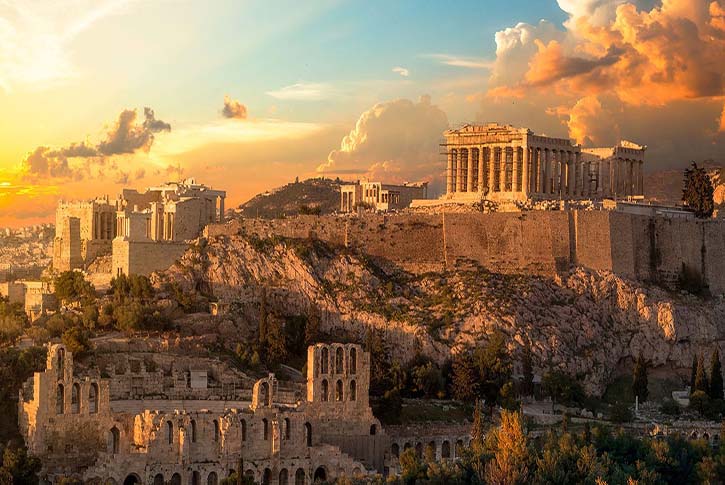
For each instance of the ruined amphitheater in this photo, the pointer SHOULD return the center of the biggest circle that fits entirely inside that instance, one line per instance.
(196, 421)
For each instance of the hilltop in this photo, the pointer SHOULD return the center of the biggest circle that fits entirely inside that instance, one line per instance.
(288, 200)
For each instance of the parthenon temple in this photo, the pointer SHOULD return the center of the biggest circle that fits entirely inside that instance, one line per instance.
(501, 162)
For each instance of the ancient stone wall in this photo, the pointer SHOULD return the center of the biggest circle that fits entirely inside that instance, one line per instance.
(671, 252)
(144, 257)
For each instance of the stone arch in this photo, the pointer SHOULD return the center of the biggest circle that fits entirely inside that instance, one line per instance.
(266, 476)
(265, 429)
(243, 425)
(264, 393)
(459, 448)
(395, 450)
(352, 362)
(93, 398)
(249, 473)
(339, 360)
(706, 436)
(175, 479)
(114, 440)
(287, 428)
(320, 475)
(338, 391)
(430, 450)
(407, 445)
(132, 479)
(193, 431)
(195, 478)
(212, 479)
(61, 361)
(170, 432)
(419, 449)
(283, 477)
(216, 430)
(158, 479)
(324, 360)
(308, 434)
(325, 390)
(445, 449)
(300, 477)
(352, 396)
(373, 429)
(75, 398)
(693, 435)
(60, 399)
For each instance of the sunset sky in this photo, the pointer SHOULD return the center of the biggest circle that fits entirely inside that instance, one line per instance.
(247, 95)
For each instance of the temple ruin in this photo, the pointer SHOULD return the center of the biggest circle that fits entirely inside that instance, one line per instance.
(504, 163)
(380, 196)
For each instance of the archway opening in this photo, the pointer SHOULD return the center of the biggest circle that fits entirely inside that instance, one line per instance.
(320, 475)
(212, 479)
(132, 479)
(300, 477)
(175, 479)
(159, 479)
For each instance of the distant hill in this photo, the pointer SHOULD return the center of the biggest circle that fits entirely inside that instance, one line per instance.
(665, 186)
(311, 194)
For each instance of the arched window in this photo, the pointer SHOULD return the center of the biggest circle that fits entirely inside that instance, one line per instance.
(170, 432)
(93, 398)
(216, 431)
(395, 450)
(283, 477)
(159, 479)
(373, 430)
(324, 360)
(308, 434)
(175, 479)
(287, 428)
(419, 450)
(60, 400)
(325, 390)
(212, 479)
(320, 474)
(266, 476)
(430, 451)
(445, 449)
(265, 425)
(114, 440)
(193, 431)
(244, 429)
(353, 391)
(339, 354)
(264, 394)
(300, 477)
(352, 365)
(338, 391)
(459, 448)
(75, 398)
(195, 478)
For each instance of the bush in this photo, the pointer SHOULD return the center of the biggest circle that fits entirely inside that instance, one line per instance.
(670, 407)
(72, 287)
(699, 401)
(76, 340)
(621, 413)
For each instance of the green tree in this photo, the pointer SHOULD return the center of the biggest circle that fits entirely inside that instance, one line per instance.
(71, 287)
(697, 191)
(639, 379)
(412, 468)
(478, 430)
(693, 373)
(21, 466)
(13, 320)
(510, 462)
(463, 385)
(76, 340)
(562, 388)
(493, 363)
(716, 381)
(276, 344)
(262, 330)
(701, 382)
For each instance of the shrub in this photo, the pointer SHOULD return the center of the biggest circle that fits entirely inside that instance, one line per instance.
(670, 407)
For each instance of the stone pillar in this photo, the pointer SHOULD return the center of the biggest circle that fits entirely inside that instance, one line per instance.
(514, 168)
(502, 169)
(491, 157)
(525, 175)
(459, 171)
(562, 173)
(449, 173)
(570, 174)
(547, 171)
(469, 172)
(541, 164)
(481, 174)
(575, 174)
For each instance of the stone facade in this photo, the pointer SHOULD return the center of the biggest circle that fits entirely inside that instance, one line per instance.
(173, 426)
(37, 297)
(503, 163)
(171, 214)
(379, 196)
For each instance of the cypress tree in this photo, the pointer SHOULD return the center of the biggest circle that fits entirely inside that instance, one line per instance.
(701, 383)
(693, 374)
(478, 430)
(527, 385)
(639, 380)
(697, 191)
(262, 342)
(716, 384)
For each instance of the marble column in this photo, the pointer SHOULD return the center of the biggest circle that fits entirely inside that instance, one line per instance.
(525, 167)
(490, 153)
(481, 173)
(469, 172)
(546, 186)
(502, 169)
(562, 173)
(449, 173)
(570, 174)
(459, 171)
(515, 169)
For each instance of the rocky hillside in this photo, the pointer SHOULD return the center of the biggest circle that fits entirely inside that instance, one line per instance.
(314, 194)
(587, 323)
(665, 186)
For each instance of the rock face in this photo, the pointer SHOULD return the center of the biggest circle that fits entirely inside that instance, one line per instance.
(586, 322)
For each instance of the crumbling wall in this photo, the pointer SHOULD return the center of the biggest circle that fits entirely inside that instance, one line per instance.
(144, 257)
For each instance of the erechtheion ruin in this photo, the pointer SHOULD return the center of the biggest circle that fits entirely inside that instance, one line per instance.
(144, 231)
(380, 196)
(190, 422)
(501, 162)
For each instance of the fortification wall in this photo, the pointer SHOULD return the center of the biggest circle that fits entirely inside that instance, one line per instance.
(143, 258)
(653, 249)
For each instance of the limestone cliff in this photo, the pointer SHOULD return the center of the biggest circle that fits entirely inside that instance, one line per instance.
(585, 322)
